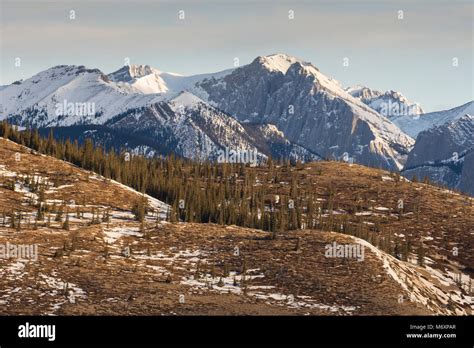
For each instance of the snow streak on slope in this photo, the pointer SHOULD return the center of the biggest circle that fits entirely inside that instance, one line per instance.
(185, 100)
(425, 285)
(154, 203)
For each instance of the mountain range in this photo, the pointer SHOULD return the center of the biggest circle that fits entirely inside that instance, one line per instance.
(277, 105)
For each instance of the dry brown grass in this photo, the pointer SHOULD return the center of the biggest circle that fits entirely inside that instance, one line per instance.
(85, 271)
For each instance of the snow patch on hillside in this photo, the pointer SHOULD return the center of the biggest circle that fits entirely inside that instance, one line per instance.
(185, 100)
(426, 285)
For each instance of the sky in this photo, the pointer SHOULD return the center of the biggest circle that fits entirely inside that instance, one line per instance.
(414, 52)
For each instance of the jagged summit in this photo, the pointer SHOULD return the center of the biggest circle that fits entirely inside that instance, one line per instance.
(391, 104)
(278, 62)
(131, 73)
(128, 73)
(148, 80)
(306, 105)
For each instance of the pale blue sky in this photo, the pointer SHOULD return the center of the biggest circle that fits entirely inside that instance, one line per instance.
(413, 55)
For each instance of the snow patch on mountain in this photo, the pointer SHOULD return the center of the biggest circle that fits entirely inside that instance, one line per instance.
(278, 62)
(185, 100)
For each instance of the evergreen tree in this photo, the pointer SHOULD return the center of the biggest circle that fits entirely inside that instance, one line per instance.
(66, 222)
(421, 255)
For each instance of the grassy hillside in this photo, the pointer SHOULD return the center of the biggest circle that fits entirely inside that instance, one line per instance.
(97, 257)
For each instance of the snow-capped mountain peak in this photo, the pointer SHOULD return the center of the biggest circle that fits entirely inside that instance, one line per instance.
(148, 80)
(309, 107)
(38, 92)
(185, 100)
(129, 73)
(278, 62)
(143, 78)
(391, 104)
(304, 104)
(294, 66)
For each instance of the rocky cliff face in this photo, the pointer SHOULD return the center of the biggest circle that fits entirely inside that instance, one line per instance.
(189, 127)
(445, 154)
(414, 125)
(309, 108)
(466, 182)
(443, 142)
(391, 104)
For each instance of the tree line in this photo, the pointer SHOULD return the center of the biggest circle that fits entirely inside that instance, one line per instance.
(210, 192)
